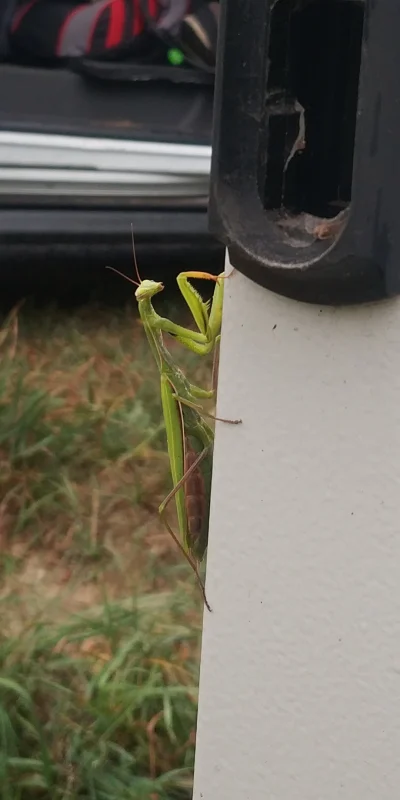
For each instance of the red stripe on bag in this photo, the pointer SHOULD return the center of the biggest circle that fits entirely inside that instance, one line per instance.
(153, 8)
(138, 20)
(117, 20)
(20, 15)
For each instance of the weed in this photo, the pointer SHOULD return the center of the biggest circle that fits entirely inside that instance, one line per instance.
(100, 617)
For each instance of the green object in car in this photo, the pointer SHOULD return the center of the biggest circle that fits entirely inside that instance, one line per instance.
(175, 56)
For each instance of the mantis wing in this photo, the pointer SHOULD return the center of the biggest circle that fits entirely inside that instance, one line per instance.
(190, 454)
(176, 452)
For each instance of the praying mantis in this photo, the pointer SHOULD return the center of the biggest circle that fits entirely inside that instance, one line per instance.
(190, 440)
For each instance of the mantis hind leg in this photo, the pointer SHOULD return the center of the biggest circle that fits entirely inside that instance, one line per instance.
(202, 411)
(162, 509)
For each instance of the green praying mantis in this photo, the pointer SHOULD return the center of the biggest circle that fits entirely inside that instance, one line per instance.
(190, 440)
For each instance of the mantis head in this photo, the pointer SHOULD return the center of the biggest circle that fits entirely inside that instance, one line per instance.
(147, 289)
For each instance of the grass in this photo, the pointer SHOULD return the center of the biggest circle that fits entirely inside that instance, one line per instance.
(101, 619)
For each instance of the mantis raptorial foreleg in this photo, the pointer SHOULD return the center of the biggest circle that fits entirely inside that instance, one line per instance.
(207, 319)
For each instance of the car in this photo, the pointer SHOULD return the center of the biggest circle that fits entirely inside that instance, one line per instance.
(90, 151)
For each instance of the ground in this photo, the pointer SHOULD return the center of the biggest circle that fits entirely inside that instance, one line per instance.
(101, 617)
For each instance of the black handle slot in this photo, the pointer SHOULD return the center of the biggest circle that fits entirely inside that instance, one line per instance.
(306, 163)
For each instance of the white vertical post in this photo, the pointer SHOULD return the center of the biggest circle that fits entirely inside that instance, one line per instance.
(300, 674)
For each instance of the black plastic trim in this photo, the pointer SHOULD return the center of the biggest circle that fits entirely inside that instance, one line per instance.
(361, 262)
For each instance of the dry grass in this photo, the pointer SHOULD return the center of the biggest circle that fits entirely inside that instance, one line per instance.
(101, 620)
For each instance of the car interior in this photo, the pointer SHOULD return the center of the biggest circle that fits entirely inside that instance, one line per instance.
(125, 91)
(151, 95)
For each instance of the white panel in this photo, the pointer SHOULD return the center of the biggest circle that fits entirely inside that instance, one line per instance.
(300, 678)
